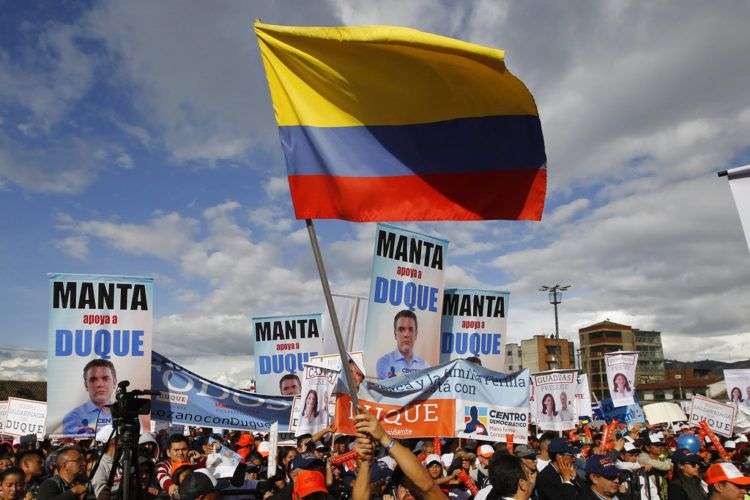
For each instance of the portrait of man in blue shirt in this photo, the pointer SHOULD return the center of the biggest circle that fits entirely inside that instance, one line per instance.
(402, 360)
(99, 379)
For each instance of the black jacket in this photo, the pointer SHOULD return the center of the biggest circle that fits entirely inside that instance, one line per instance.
(55, 488)
(550, 486)
(686, 488)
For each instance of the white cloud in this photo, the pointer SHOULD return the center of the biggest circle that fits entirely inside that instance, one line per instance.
(75, 246)
(276, 187)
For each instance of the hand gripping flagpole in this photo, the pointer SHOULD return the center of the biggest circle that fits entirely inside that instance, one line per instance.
(332, 313)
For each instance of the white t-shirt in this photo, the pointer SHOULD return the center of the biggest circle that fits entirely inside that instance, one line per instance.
(541, 464)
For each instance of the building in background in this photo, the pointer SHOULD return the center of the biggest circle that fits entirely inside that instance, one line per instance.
(596, 340)
(541, 353)
(513, 360)
(650, 356)
(681, 383)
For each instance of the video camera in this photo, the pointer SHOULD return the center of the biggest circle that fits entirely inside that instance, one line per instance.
(129, 405)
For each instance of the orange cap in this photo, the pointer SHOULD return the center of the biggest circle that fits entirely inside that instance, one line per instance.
(308, 482)
(726, 471)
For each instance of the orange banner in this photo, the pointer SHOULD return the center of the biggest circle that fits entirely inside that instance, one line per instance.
(433, 417)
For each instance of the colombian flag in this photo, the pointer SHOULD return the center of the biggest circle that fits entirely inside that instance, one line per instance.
(382, 123)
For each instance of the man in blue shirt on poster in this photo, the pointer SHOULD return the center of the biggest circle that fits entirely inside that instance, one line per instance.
(402, 360)
(99, 379)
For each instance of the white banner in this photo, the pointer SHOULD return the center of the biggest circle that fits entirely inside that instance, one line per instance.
(739, 182)
(474, 324)
(3, 414)
(317, 401)
(405, 303)
(25, 416)
(283, 344)
(738, 388)
(554, 394)
(351, 311)
(719, 416)
(583, 397)
(100, 331)
(621, 367)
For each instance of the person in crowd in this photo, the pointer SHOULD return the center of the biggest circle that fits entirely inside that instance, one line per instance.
(686, 483)
(402, 360)
(290, 385)
(726, 482)
(509, 478)
(557, 481)
(603, 479)
(479, 473)
(67, 483)
(178, 451)
(12, 484)
(412, 479)
(6, 460)
(245, 445)
(543, 459)
(654, 456)
(549, 412)
(31, 463)
(632, 473)
(199, 485)
(99, 380)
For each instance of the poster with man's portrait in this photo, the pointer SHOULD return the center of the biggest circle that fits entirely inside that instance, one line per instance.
(100, 331)
(554, 399)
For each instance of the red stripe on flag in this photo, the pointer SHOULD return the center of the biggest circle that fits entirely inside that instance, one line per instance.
(514, 195)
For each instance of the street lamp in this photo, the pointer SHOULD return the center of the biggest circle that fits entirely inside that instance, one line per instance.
(555, 297)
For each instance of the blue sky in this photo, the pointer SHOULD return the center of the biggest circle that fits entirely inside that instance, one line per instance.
(138, 138)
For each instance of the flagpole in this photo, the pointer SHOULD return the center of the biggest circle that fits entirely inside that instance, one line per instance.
(332, 313)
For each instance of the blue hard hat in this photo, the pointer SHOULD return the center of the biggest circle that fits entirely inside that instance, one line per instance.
(690, 442)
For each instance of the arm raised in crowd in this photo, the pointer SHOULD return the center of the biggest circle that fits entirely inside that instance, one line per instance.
(361, 488)
(367, 424)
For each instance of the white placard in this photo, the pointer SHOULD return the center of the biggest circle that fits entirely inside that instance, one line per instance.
(25, 417)
(719, 416)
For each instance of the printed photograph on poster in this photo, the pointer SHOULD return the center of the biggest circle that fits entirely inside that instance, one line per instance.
(554, 394)
(620, 367)
(474, 324)
(283, 344)
(738, 388)
(491, 423)
(317, 389)
(405, 303)
(333, 362)
(100, 333)
(25, 416)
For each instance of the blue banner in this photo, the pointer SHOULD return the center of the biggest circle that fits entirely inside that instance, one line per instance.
(189, 399)
(631, 414)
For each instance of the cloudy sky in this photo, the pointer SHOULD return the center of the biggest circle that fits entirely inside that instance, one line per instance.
(138, 138)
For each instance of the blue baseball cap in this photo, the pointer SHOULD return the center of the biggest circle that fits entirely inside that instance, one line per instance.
(561, 446)
(306, 461)
(602, 465)
(683, 456)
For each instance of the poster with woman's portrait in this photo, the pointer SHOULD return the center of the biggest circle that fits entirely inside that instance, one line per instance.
(738, 388)
(621, 367)
(554, 399)
(318, 384)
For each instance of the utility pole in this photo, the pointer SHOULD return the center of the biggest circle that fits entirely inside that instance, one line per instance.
(555, 298)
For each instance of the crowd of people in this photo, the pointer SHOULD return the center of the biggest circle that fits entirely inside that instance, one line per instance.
(640, 463)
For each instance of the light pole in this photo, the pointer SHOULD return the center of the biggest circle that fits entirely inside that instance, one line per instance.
(555, 297)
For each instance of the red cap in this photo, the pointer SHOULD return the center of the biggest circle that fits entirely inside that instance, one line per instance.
(308, 482)
(245, 440)
(726, 471)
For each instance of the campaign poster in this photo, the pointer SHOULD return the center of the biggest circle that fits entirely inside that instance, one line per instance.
(100, 332)
(283, 344)
(474, 324)
(456, 399)
(554, 399)
(316, 400)
(719, 416)
(3, 414)
(583, 397)
(186, 398)
(25, 416)
(738, 388)
(406, 302)
(630, 414)
(621, 367)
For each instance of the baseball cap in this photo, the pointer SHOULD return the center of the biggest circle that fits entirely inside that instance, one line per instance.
(199, 482)
(730, 445)
(656, 438)
(431, 458)
(683, 456)
(561, 446)
(524, 451)
(602, 465)
(726, 471)
(305, 461)
(631, 448)
(308, 482)
(264, 448)
(485, 450)
(741, 438)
